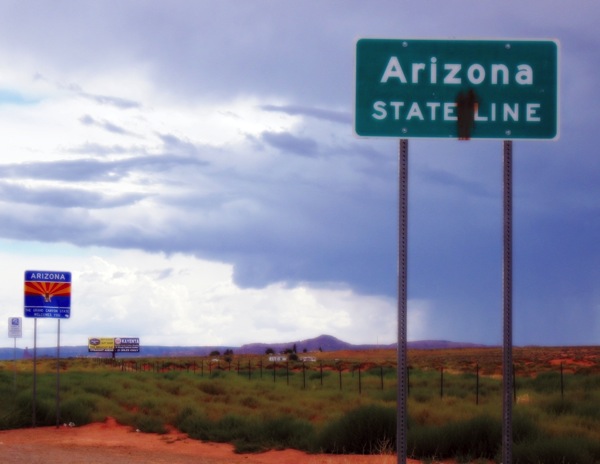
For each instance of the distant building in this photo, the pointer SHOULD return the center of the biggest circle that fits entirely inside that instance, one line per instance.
(308, 359)
(277, 358)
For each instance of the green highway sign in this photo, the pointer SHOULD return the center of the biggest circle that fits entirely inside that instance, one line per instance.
(480, 89)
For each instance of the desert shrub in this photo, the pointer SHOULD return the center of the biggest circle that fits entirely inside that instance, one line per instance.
(524, 428)
(360, 431)
(557, 450)
(212, 388)
(100, 388)
(248, 435)
(583, 409)
(250, 402)
(557, 406)
(546, 382)
(149, 423)
(287, 432)
(317, 375)
(79, 410)
(479, 437)
(192, 422)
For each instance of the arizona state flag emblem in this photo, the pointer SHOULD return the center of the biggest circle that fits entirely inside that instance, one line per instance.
(48, 294)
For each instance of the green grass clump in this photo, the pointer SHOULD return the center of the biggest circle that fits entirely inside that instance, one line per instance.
(557, 450)
(479, 437)
(364, 430)
(248, 435)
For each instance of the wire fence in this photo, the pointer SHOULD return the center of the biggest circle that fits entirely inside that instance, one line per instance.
(346, 375)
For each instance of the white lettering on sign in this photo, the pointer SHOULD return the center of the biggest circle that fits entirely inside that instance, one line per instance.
(456, 73)
(46, 276)
(528, 112)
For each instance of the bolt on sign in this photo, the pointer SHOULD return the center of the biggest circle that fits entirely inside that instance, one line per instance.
(487, 89)
(48, 294)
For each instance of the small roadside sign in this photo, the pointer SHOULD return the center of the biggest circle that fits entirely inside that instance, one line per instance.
(15, 327)
(48, 294)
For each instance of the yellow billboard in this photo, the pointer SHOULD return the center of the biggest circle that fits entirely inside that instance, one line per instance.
(101, 344)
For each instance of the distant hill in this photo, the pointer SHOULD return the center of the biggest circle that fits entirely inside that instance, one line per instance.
(323, 342)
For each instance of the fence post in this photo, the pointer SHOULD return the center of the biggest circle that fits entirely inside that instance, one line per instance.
(359, 382)
(477, 386)
(303, 376)
(321, 373)
(562, 385)
(514, 379)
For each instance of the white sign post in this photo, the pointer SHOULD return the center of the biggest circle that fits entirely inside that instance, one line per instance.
(15, 330)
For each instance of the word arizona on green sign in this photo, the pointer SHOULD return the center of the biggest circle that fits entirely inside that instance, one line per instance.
(488, 89)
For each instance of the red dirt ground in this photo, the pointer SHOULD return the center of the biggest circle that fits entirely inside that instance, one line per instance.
(109, 442)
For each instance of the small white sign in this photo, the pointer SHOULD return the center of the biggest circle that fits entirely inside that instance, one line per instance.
(15, 327)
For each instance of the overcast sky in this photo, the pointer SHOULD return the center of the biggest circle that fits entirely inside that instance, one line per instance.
(194, 165)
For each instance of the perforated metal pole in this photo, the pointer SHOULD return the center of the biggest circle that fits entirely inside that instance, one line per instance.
(402, 428)
(58, 373)
(33, 413)
(507, 378)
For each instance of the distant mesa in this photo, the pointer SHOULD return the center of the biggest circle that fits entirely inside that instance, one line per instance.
(320, 343)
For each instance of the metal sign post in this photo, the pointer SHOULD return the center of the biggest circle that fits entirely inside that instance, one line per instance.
(402, 426)
(15, 330)
(34, 371)
(58, 374)
(507, 362)
(464, 89)
(48, 295)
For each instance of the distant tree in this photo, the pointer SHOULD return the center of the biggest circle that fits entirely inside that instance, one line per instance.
(304, 350)
(228, 352)
(269, 351)
(320, 349)
(215, 353)
(294, 348)
(288, 351)
(293, 357)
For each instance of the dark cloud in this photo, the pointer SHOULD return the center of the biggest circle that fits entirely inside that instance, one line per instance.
(318, 113)
(289, 143)
(118, 102)
(85, 170)
(103, 150)
(106, 125)
(64, 197)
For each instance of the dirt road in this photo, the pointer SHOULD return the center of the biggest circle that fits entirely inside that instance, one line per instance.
(111, 443)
